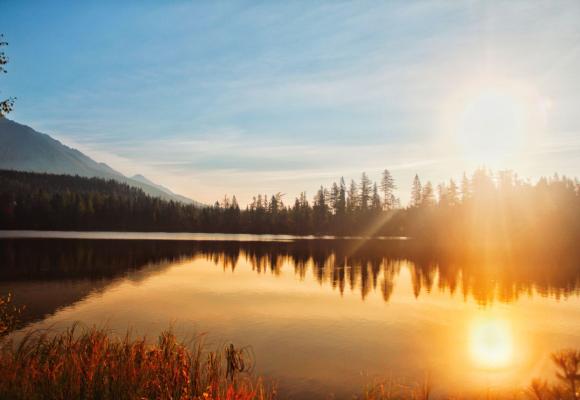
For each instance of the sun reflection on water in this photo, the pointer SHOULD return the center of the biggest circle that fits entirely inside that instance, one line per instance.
(491, 343)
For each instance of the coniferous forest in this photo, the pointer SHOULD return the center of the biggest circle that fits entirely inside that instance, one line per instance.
(484, 208)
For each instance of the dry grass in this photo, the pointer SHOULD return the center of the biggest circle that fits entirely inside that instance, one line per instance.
(91, 364)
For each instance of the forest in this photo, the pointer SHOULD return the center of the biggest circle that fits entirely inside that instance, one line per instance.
(485, 208)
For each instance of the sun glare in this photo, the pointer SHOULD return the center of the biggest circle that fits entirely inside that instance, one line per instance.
(490, 343)
(495, 123)
(492, 125)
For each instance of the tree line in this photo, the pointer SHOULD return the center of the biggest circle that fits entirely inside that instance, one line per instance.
(484, 207)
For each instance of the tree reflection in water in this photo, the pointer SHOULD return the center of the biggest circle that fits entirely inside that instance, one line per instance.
(83, 266)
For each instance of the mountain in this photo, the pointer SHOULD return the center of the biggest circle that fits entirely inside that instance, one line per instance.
(24, 149)
(142, 179)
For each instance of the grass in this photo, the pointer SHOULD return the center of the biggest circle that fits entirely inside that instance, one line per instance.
(92, 364)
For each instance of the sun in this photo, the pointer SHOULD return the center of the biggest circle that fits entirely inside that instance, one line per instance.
(494, 123)
(491, 125)
(491, 343)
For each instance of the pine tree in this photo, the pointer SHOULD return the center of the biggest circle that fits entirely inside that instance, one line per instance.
(376, 199)
(274, 206)
(387, 187)
(416, 192)
(365, 191)
(265, 202)
(452, 194)
(352, 203)
(320, 198)
(304, 201)
(334, 198)
(320, 209)
(226, 202)
(341, 201)
(427, 196)
(235, 205)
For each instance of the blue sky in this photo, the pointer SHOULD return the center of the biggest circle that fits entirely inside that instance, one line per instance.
(210, 98)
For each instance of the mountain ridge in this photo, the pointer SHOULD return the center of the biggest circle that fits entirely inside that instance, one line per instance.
(143, 179)
(24, 149)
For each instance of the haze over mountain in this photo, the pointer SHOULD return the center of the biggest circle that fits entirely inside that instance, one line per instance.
(24, 149)
(140, 178)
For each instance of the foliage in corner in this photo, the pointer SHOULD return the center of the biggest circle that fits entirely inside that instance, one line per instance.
(7, 104)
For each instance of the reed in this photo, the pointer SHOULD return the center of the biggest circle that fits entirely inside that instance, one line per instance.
(93, 364)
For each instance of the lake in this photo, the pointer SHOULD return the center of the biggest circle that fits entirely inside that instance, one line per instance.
(323, 317)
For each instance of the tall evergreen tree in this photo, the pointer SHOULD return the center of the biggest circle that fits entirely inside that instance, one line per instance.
(388, 187)
(416, 192)
(320, 210)
(452, 193)
(352, 202)
(235, 204)
(274, 205)
(376, 204)
(365, 191)
(428, 196)
(334, 197)
(341, 201)
(226, 202)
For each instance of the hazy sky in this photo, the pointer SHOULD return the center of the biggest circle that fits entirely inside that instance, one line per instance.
(210, 98)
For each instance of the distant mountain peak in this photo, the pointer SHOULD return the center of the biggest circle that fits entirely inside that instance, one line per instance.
(24, 149)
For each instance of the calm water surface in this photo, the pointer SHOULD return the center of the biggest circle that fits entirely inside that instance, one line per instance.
(322, 316)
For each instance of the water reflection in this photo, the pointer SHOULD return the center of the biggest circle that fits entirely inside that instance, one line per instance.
(491, 342)
(315, 311)
(74, 268)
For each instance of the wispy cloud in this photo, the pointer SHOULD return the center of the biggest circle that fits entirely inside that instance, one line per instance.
(215, 97)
